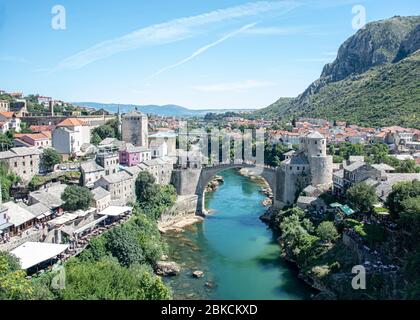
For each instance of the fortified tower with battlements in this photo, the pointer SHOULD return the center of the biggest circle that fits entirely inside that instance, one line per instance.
(308, 166)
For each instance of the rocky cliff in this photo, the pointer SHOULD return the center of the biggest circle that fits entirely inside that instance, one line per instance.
(373, 81)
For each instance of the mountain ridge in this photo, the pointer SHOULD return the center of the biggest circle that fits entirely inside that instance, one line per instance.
(373, 81)
(161, 110)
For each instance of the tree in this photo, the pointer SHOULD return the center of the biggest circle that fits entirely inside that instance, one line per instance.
(145, 189)
(7, 180)
(407, 166)
(50, 158)
(13, 282)
(410, 217)
(362, 197)
(123, 243)
(401, 192)
(6, 142)
(76, 198)
(106, 279)
(411, 272)
(95, 139)
(296, 238)
(108, 130)
(327, 231)
(104, 131)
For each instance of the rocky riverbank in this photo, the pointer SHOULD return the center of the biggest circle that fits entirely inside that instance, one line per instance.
(265, 188)
(181, 215)
(330, 274)
(214, 184)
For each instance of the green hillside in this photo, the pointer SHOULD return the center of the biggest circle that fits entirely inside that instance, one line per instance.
(379, 94)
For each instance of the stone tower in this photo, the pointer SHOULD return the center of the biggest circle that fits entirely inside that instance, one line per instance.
(135, 128)
(315, 147)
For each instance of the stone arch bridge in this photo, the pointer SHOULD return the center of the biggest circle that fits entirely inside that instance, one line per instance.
(194, 181)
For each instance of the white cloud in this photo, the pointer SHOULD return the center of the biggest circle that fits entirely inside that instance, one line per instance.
(238, 86)
(204, 49)
(276, 30)
(171, 31)
(13, 59)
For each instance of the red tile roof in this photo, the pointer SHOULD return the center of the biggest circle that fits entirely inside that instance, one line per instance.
(7, 114)
(71, 122)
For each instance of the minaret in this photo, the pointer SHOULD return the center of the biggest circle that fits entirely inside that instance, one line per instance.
(119, 122)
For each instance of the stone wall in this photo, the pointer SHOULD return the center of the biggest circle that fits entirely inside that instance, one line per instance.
(184, 206)
(28, 236)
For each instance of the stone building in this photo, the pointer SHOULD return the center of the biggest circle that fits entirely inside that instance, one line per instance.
(24, 162)
(310, 165)
(135, 128)
(101, 199)
(121, 185)
(4, 106)
(91, 172)
(19, 107)
(109, 161)
(160, 168)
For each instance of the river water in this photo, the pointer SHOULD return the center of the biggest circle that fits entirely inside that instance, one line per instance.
(236, 251)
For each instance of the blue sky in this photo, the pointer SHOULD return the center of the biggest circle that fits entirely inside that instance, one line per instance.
(194, 53)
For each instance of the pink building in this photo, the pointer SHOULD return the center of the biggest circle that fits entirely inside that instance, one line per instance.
(131, 156)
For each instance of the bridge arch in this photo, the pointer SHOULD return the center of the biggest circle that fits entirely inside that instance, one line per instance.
(207, 174)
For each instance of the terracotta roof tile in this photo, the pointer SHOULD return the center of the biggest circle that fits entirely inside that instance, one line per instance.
(71, 122)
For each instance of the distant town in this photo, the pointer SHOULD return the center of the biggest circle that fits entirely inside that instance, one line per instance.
(52, 153)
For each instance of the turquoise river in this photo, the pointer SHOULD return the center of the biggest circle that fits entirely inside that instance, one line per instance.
(234, 248)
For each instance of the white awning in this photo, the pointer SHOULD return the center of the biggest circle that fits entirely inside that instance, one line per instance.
(89, 225)
(33, 253)
(114, 211)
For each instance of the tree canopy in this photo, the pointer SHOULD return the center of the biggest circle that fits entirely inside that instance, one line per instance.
(362, 197)
(76, 198)
(106, 279)
(50, 158)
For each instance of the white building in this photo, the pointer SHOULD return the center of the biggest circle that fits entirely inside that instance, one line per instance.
(167, 137)
(70, 135)
(158, 148)
(13, 121)
(45, 101)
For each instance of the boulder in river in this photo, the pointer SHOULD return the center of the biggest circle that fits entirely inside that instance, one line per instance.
(167, 268)
(198, 274)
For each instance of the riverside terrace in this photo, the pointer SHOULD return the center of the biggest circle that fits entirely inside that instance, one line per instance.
(40, 256)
